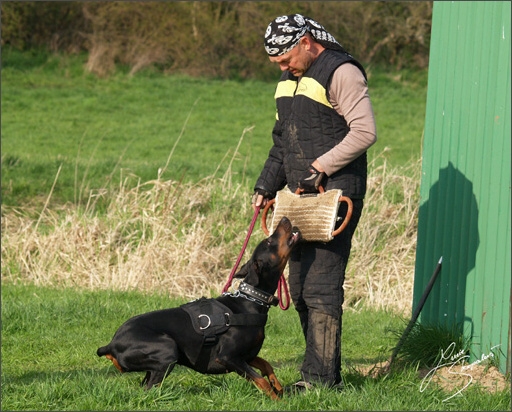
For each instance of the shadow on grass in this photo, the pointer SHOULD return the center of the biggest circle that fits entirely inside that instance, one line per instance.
(31, 377)
(188, 381)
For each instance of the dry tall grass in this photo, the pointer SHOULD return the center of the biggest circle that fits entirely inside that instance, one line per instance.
(183, 239)
(381, 267)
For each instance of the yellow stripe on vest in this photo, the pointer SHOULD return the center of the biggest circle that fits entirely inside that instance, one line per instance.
(285, 88)
(309, 87)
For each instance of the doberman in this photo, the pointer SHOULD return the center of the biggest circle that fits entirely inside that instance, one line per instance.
(211, 336)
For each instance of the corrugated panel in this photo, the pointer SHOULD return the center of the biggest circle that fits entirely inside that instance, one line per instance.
(465, 190)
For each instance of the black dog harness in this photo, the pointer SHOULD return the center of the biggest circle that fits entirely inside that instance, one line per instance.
(211, 318)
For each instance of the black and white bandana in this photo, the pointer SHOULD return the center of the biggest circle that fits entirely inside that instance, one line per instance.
(284, 33)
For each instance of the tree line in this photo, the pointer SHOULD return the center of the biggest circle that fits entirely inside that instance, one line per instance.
(219, 39)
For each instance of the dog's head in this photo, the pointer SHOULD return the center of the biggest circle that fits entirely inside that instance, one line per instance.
(269, 258)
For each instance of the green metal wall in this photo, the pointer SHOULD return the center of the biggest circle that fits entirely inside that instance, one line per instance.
(465, 193)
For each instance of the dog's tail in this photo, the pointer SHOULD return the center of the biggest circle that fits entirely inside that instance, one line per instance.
(106, 351)
(103, 350)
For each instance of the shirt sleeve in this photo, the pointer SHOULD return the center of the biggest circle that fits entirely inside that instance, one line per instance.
(348, 94)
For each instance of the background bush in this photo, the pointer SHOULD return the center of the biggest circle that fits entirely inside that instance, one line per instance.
(217, 39)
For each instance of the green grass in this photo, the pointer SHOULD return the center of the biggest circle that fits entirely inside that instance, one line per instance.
(103, 131)
(50, 336)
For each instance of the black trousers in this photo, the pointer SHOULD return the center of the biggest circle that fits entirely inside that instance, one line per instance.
(316, 276)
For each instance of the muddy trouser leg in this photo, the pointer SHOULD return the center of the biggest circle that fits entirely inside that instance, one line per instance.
(316, 276)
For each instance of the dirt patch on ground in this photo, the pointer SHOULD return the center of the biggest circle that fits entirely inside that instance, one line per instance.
(458, 377)
(454, 378)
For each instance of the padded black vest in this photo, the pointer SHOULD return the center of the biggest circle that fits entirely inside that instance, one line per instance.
(310, 126)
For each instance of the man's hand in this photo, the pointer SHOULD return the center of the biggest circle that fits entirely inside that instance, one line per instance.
(311, 180)
(260, 198)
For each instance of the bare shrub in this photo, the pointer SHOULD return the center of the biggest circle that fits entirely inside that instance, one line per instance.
(58, 26)
(407, 44)
(222, 39)
(184, 239)
(138, 34)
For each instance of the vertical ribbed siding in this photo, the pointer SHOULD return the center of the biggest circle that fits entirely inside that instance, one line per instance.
(465, 190)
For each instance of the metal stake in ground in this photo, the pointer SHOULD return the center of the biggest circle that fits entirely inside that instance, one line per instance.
(415, 315)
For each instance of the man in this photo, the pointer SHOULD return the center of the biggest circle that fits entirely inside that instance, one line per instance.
(324, 126)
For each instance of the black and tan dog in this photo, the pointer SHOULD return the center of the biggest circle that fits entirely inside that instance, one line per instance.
(211, 336)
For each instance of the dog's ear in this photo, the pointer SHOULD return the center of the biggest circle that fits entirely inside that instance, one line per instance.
(243, 272)
(249, 271)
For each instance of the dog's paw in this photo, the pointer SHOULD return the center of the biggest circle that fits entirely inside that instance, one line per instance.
(276, 386)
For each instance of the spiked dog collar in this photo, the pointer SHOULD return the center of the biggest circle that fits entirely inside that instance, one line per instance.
(258, 295)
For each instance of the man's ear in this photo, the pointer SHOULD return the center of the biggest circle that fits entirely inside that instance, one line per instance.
(305, 42)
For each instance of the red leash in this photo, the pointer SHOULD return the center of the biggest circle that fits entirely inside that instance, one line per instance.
(282, 281)
(282, 285)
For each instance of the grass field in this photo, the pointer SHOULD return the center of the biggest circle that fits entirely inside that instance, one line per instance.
(129, 194)
(50, 336)
(102, 131)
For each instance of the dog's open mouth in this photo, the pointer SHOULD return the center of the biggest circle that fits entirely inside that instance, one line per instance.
(294, 237)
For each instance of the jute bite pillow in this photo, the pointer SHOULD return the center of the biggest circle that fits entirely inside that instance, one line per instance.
(315, 214)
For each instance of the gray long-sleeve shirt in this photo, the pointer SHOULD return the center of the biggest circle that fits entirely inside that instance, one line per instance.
(348, 94)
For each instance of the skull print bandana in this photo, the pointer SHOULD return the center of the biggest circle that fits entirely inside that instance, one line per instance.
(284, 33)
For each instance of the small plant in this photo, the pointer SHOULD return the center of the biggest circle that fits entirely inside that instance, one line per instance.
(430, 345)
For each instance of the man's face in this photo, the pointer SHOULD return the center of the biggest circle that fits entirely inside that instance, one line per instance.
(297, 60)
